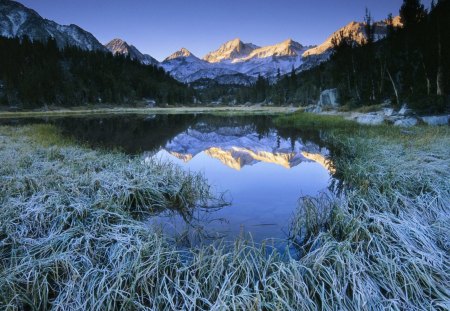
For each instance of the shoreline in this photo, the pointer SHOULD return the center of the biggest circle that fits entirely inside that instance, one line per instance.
(145, 111)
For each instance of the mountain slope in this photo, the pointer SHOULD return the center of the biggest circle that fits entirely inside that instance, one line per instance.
(270, 60)
(354, 29)
(118, 46)
(34, 75)
(16, 20)
(183, 63)
(287, 48)
(230, 51)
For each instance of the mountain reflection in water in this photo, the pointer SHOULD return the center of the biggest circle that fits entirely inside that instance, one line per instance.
(237, 147)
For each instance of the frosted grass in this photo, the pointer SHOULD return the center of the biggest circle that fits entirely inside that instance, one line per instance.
(71, 239)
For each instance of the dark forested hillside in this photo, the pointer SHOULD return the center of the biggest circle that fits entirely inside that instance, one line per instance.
(412, 65)
(34, 74)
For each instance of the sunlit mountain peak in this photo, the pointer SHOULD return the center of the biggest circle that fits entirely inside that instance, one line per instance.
(182, 53)
(230, 50)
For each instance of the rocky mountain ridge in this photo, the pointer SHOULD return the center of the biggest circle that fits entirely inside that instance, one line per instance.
(16, 20)
(356, 30)
(118, 46)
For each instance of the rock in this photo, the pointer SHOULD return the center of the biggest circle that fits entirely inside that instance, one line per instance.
(313, 109)
(388, 112)
(407, 122)
(329, 98)
(150, 103)
(387, 103)
(436, 120)
(404, 110)
(370, 119)
(317, 109)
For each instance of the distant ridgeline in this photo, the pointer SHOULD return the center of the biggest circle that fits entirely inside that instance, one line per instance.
(34, 74)
(411, 65)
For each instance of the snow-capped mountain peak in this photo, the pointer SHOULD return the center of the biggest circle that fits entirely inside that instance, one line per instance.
(230, 50)
(288, 47)
(119, 46)
(182, 64)
(353, 28)
(182, 53)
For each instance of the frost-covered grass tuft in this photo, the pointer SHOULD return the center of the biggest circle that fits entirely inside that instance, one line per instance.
(385, 243)
(70, 238)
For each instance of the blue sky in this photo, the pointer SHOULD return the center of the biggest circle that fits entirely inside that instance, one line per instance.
(159, 28)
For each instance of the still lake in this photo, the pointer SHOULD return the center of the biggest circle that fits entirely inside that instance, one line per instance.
(260, 169)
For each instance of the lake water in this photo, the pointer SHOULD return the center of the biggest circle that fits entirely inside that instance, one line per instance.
(261, 169)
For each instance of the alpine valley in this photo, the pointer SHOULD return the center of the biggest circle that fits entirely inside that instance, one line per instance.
(233, 63)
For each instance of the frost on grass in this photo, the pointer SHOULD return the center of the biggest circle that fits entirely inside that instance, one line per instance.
(70, 238)
(386, 242)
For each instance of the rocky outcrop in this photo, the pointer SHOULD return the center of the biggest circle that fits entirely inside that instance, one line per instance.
(329, 98)
(436, 120)
(403, 118)
(230, 51)
(118, 46)
(406, 122)
(16, 20)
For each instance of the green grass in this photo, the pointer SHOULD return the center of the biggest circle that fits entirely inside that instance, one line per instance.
(71, 236)
(314, 121)
(89, 111)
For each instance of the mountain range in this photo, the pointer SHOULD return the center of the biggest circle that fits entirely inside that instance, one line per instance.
(234, 62)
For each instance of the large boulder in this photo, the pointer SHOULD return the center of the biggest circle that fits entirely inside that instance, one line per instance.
(404, 110)
(388, 112)
(329, 98)
(436, 120)
(407, 122)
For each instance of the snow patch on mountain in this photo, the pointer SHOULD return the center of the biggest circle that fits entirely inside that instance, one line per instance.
(235, 79)
(17, 19)
(209, 73)
(182, 64)
(286, 48)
